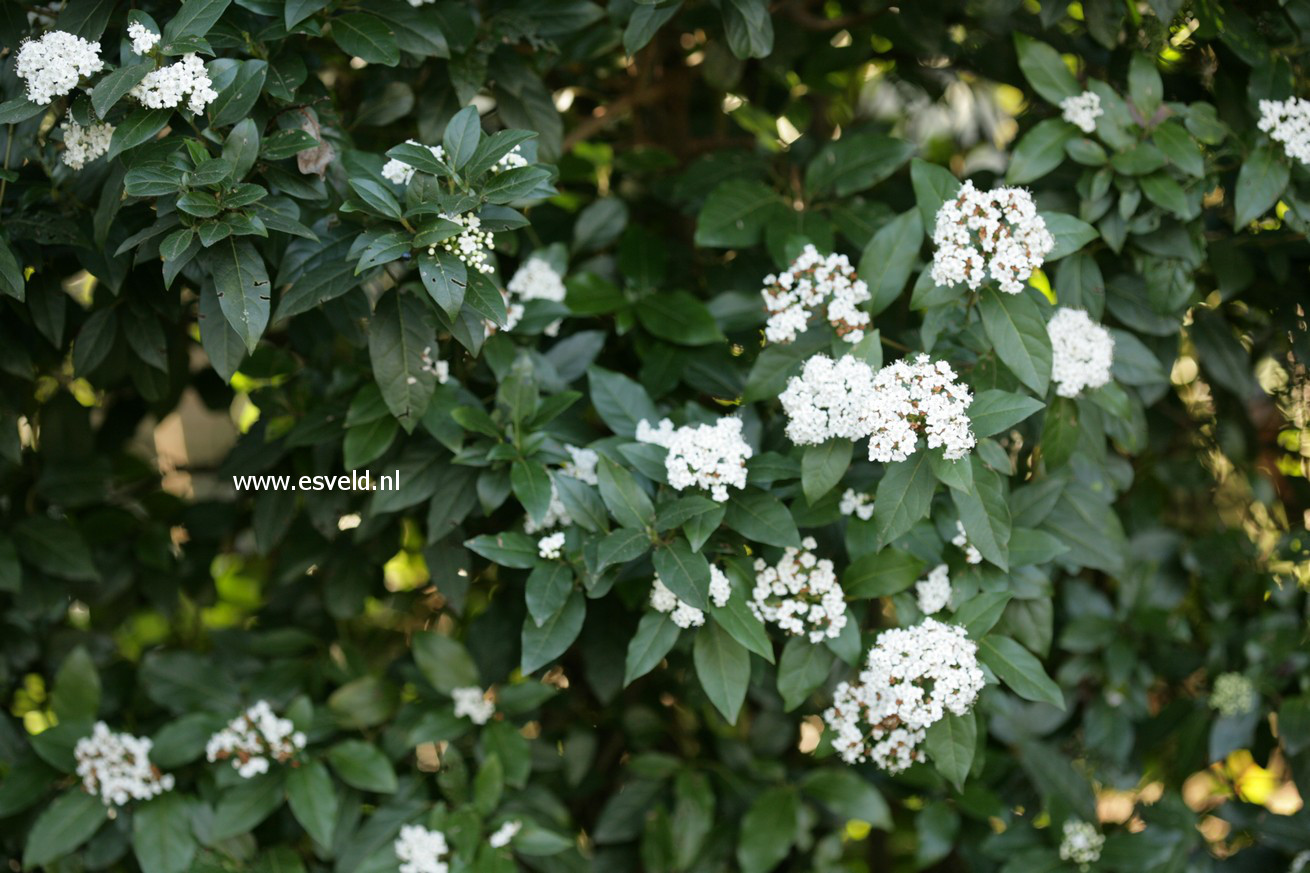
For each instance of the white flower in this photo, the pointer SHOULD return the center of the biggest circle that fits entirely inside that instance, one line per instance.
(506, 832)
(435, 366)
(470, 243)
(419, 850)
(472, 703)
(961, 540)
(254, 739)
(511, 160)
(583, 468)
(551, 547)
(53, 65)
(796, 295)
(934, 593)
(829, 399)
(1082, 352)
(84, 144)
(536, 279)
(1299, 861)
(401, 173)
(663, 600)
(117, 767)
(720, 587)
(417, 3)
(997, 232)
(1081, 844)
(143, 38)
(164, 88)
(1233, 694)
(857, 503)
(800, 594)
(912, 678)
(710, 456)
(1288, 122)
(1082, 111)
(920, 397)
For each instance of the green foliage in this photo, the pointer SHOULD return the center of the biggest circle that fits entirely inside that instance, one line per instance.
(294, 281)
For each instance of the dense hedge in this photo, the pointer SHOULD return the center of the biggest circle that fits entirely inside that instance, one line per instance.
(267, 235)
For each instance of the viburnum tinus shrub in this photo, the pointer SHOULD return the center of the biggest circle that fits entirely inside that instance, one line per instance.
(820, 436)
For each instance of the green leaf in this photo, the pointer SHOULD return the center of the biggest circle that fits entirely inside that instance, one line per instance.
(904, 496)
(531, 484)
(445, 277)
(768, 830)
(161, 834)
(1294, 724)
(63, 826)
(761, 517)
(981, 613)
(1039, 151)
(313, 800)
(548, 588)
(1015, 325)
(18, 110)
(734, 215)
(237, 98)
(1179, 148)
(950, 742)
(623, 496)
(242, 286)
(678, 317)
(848, 795)
(749, 27)
(1019, 669)
(462, 136)
(856, 163)
(1088, 525)
(1144, 84)
(823, 466)
(367, 37)
(544, 643)
(881, 574)
(888, 259)
(802, 668)
(114, 86)
(1045, 70)
(724, 668)
(620, 402)
(985, 514)
(12, 282)
(655, 636)
(398, 334)
(11, 572)
(194, 18)
(1029, 547)
(737, 619)
(684, 572)
(1260, 183)
(1070, 234)
(994, 411)
(620, 546)
(933, 186)
(55, 547)
(243, 807)
(362, 765)
(514, 184)
(141, 125)
(76, 695)
(444, 661)
(509, 549)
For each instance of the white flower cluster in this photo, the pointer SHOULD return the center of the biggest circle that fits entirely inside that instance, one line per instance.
(1081, 844)
(419, 850)
(710, 456)
(551, 547)
(506, 832)
(1288, 122)
(84, 144)
(800, 594)
(117, 767)
(254, 738)
(685, 615)
(961, 541)
(828, 400)
(165, 87)
(934, 593)
(435, 366)
(912, 678)
(470, 244)
(583, 468)
(857, 503)
(511, 160)
(143, 38)
(536, 279)
(795, 295)
(472, 703)
(923, 396)
(53, 65)
(1082, 110)
(997, 232)
(1300, 861)
(1082, 352)
(1233, 694)
(402, 173)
